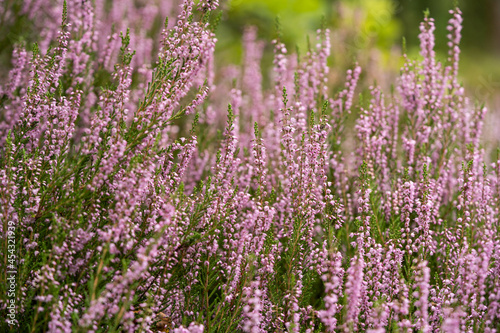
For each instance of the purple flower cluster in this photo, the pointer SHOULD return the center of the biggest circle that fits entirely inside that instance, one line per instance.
(160, 194)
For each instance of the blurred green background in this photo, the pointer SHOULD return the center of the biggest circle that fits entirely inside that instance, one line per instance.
(376, 26)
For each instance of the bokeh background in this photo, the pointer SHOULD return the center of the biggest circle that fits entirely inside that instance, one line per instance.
(367, 31)
(372, 31)
(374, 34)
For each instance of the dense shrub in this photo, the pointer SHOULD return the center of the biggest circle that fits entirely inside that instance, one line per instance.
(128, 205)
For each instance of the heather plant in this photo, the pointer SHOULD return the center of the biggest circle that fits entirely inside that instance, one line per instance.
(142, 189)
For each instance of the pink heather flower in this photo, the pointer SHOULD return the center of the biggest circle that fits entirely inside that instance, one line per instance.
(253, 308)
(252, 76)
(192, 328)
(354, 290)
(422, 295)
(332, 278)
(452, 321)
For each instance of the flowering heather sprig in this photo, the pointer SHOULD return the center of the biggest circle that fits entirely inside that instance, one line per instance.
(421, 295)
(252, 76)
(355, 290)
(332, 277)
(126, 218)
